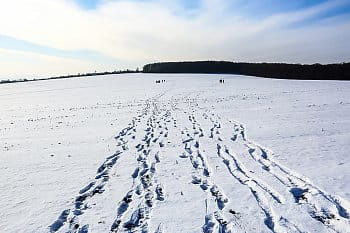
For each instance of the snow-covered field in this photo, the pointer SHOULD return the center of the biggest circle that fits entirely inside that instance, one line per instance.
(121, 153)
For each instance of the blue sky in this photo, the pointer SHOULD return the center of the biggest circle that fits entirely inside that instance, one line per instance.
(88, 4)
(256, 7)
(93, 4)
(110, 34)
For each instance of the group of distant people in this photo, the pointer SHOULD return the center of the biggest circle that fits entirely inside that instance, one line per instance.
(222, 80)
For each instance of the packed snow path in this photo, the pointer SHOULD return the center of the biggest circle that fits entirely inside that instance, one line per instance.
(181, 156)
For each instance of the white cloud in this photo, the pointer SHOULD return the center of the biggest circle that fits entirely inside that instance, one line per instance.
(137, 32)
(16, 64)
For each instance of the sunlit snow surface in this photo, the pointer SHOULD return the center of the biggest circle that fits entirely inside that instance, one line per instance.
(122, 153)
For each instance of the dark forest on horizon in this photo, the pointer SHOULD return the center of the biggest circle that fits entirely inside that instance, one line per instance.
(340, 71)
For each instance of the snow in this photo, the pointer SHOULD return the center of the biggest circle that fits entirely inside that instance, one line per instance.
(120, 152)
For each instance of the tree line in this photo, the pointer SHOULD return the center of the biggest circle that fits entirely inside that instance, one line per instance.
(340, 71)
(69, 76)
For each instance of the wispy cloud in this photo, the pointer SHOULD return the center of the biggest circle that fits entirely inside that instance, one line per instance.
(11, 43)
(17, 64)
(134, 32)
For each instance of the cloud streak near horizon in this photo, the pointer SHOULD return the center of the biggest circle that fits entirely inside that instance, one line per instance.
(36, 36)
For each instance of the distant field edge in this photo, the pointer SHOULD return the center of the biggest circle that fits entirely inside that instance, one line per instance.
(338, 71)
(8, 81)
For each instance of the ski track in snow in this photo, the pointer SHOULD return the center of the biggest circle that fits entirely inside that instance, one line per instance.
(156, 121)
